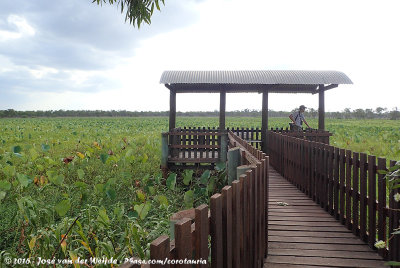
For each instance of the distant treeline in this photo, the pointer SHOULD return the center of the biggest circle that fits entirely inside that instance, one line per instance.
(378, 113)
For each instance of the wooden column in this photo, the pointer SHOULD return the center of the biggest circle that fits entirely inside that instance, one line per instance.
(164, 154)
(264, 122)
(321, 108)
(222, 105)
(172, 109)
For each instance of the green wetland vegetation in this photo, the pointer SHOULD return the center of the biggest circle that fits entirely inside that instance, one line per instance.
(103, 174)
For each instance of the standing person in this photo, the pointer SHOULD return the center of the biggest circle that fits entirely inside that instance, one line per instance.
(298, 118)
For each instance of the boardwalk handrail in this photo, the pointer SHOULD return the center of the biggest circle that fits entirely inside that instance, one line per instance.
(201, 145)
(257, 158)
(250, 135)
(317, 135)
(236, 222)
(346, 184)
(253, 135)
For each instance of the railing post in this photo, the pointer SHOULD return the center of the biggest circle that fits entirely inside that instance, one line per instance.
(224, 147)
(241, 170)
(394, 219)
(164, 154)
(237, 220)
(234, 160)
(159, 250)
(216, 231)
(201, 233)
(382, 227)
(227, 225)
(182, 235)
(371, 201)
(266, 200)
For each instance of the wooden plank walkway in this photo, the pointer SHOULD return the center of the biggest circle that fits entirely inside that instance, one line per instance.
(302, 234)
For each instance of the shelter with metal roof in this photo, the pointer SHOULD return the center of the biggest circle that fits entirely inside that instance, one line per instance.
(262, 81)
(248, 220)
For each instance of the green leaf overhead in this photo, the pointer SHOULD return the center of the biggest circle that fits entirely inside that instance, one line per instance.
(137, 11)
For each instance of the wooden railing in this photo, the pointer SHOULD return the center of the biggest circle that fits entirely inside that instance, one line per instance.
(250, 135)
(236, 221)
(190, 147)
(345, 184)
(257, 206)
(253, 135)
(194, 147)
(307, 134)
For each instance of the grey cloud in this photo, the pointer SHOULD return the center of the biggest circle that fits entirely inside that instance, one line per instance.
(56, 54)
(22, 81)
(75, 35)
(11, 100)
(69, 31)
(87, 22)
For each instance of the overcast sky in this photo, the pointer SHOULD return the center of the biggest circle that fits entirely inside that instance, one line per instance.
(73, 54)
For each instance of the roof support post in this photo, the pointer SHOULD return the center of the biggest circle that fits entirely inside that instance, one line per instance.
(222, 106)
(321, 108)
(172, 109)
(264, 122)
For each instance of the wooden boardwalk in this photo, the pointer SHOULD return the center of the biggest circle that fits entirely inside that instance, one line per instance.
(302, 234)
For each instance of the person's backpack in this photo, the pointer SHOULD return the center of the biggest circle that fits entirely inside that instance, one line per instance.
(301, 121)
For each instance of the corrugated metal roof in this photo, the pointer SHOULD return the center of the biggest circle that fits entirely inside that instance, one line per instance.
(242, 88)
(264, 77)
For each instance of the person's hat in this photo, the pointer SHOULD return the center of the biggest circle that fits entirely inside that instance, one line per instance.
(302, 107)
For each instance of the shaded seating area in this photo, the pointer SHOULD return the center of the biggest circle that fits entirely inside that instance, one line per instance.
(299, 203)
(291, 199)
(199, 147)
